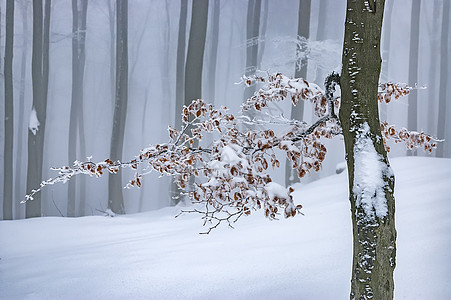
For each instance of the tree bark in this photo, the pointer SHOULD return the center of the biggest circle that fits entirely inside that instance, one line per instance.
(434, 57)
(23, 68)
(115, 196)
(386, 39)
(196, 49)
(9, 114)
(180, 68)
(39, 74)
(76, 128)
(372, 207)
(297, 112)
(252, 41)
(412, 117)
(213, 53)
(441, 128)
(180, 81)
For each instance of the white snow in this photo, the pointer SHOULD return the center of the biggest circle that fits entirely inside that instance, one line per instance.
(154, 256)
(369, 170)
(33, 123)
(276, 190)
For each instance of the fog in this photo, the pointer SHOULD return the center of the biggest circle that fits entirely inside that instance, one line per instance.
(153, 27)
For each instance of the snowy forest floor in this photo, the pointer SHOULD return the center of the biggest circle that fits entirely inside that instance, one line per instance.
(154, 256)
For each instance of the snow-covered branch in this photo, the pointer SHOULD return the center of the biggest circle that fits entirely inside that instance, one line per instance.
(231, 174)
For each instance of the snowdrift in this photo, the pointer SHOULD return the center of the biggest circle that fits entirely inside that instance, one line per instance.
(154, 256)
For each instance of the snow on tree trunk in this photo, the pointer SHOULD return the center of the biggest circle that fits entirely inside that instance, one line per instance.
(39, 74)
(371, 181)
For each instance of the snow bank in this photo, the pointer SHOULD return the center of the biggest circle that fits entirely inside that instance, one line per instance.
(154, 256)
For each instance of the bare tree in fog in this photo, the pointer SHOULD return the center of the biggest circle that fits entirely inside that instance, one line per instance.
(40, 79)
(9, 114)
(441, 128)
(115, 196)
(412, 114)
(297, 112)
(76, 123)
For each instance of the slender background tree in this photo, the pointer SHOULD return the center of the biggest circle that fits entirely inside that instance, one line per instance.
(9, 114)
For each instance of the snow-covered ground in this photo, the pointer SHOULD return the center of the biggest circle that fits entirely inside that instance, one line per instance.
(154, 256)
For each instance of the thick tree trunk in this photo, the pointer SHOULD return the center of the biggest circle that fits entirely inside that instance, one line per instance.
(371, 181)
(297, 112)
(9, 114)
(412, 115)
(39, 74)
(76, 128)
(441, 128)
(115, 196)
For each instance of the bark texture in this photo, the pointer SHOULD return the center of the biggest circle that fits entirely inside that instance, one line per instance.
(374, 238)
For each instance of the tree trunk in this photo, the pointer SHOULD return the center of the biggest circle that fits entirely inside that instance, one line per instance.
(211, 97)
(386, 37)
(434, 57)
(443, 78)
(297, 112)
(180, 81)
(371, 181)
(23, 74)
(412, 117)
(180, 68)
(196, 49)
(9, 114)
(76, 128)
(39, 74)
(111, 19)
(115, 196)
(252, 40)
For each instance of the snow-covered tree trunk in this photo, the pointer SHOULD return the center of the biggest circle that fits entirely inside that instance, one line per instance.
(40, 76)
(371, 181)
